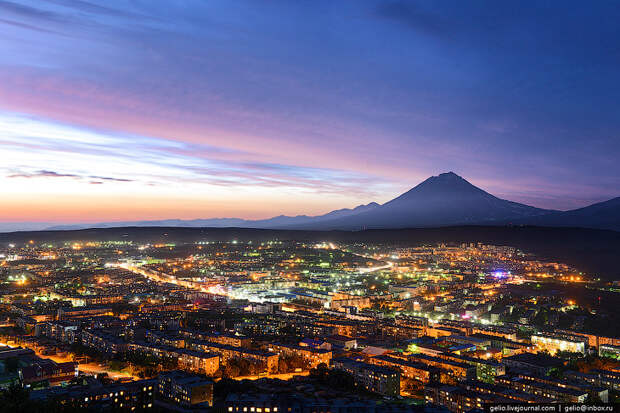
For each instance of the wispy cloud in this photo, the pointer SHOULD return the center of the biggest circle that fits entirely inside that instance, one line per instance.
(28, 11)
(148, 160)
(42, 174)
(107, 178)
(53, 174)
(28, 26)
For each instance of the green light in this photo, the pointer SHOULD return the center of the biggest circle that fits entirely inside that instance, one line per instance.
(413, 348)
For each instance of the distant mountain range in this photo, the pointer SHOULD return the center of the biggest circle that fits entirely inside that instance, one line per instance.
(439, 201)
(279, 222)
(602, 215)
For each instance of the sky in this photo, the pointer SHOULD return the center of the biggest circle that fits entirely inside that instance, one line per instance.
(144, 109)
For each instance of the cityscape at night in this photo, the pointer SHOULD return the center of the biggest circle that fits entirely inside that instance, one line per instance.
(320, 325)
(271, 206)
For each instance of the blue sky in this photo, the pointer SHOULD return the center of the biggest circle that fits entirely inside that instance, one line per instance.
(196, 109)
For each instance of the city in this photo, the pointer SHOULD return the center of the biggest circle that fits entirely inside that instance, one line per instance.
(270, 325)
(289, 206)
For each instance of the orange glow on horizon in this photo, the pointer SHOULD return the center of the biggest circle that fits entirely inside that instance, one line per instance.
(85, 209)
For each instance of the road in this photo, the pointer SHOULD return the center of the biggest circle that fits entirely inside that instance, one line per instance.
(159, 277)
(373, 269)
(93, 368)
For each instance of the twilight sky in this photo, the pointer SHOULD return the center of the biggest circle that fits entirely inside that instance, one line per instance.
(151, 109)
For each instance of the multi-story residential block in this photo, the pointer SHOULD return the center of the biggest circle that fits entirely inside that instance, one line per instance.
(76, 312)
(267, 359)
(486, 370)
(410, 369)
(452, 368)
(610, 351)
(102, 341)
(313, 357)
(45, 372)
(63, 331)
(164, 338)
(185, 389)
(459, 400)
(198, 361)
(539, 363)
(378, 379)
(554, 343)
(221, 338)
(544, 389)
(136, 395)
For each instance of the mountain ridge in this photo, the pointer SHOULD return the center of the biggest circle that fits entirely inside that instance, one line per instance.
(601, 215)
(443, 200)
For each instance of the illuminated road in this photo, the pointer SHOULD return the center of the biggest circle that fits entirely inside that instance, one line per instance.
(373, 269)
(163, 278)
(91, 368)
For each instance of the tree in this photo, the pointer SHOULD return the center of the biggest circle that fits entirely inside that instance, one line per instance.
(11, 364)
(232, 370)
(593, 398)
(225, 386)
(283, 366)
(117, 365)
(121, 308)
(13, 397)
(170, 363)
(541, 319)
